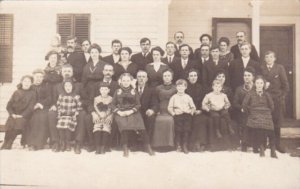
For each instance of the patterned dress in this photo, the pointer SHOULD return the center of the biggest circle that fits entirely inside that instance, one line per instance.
(68, 107)
(103, 105)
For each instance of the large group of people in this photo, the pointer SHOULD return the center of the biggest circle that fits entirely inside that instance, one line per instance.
(183, 100)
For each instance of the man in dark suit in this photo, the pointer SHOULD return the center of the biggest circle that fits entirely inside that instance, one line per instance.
(237, 66)
(143, 58)
(278, 86)
(202, 56)
(170, 49)
(182, 66)
(179, 40)
(92, 117)
(212, 67)
(85, 45)
(148, 101)
(114, 58)
(74, 58)
(241, 38)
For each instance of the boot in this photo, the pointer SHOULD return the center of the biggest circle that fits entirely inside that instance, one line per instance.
(102, 149)
(273, 152)
(4, 145)
(262, 151)
(149, 150)
(244, 147)
(125, 150)
(77, 148)
(68, 146)
(218, 133)
(91, 148)
(185, 148)
(62, 146)
(56, 147)
(178, 147)
(255, 150)
(98, 150)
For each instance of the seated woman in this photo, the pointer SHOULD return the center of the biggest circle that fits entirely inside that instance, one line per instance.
(156, 68)
(163, 132)
(38, 132)
(126, 105)
(125, 65)
(199, 133)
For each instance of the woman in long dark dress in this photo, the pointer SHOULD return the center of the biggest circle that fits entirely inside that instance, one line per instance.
(156, 68)
(126, 105)
(19, 108)
(38, 132)
(125, 65)
(163, 132)
(199, 134)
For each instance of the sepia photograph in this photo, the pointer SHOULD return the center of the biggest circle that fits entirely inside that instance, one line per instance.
(150, 94)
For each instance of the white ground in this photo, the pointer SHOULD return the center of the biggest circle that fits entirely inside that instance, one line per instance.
(174, 170)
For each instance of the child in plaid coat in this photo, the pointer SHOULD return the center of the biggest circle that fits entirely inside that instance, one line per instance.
(68, 107)
(102, 128)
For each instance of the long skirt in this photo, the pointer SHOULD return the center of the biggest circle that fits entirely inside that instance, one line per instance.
(132, 122)
(163, 133)
(199, 134)
(39, 131)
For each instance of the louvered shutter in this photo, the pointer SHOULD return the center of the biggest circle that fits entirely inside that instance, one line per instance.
(64, 26)
(82, 27)
(73, 24)
(6, 47)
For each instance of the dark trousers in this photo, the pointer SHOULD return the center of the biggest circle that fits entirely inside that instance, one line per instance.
(182, 128)
(101, 138)
(149, 124)
(217, 115)
(125, 136)
(79, 131)
(199, 134)
(259, 137)
(10, 136)
(65, 135)
(278, 116)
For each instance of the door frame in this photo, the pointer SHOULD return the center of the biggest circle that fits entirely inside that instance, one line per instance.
(293, 29)
(215, 21)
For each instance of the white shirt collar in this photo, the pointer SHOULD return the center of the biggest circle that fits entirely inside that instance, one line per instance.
(245, 61)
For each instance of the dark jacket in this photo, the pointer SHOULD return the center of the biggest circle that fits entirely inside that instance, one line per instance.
(210, 70)
(179, 71)
(237, 54)
(77, 60)
(141, 61)
(109, 59)
(148, 99)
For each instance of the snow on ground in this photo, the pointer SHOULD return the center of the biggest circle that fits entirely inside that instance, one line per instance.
(164, 170)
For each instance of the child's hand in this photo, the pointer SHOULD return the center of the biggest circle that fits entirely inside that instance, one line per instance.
(95, 117)
(53, 108)
(242, 110)
(121, 113)
(38, 106)
(149, 112)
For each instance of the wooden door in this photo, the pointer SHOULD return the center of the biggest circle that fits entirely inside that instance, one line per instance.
(280, 39)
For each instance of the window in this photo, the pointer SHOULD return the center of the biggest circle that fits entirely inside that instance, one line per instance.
(73, 24)
(6, 47)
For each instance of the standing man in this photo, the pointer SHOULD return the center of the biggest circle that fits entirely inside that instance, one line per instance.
(212, 67)
(205, 39)
(143, 58)
(114, 58)
(170, 50)
(200, 58)
(238, 66)
(278, 87)
(85, 45)
(182, 66)
(179, 40)
(75, 59)
(236, 51)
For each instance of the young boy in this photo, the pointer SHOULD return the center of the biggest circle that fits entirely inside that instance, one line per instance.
(217, 104)
(278, 87)
(181, 107)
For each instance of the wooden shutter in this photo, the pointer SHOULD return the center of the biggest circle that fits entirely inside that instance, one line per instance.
(73, 24)
(6, 47)
(82, 27)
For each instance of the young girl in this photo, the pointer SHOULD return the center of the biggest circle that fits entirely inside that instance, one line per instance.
(102, 128)
(126, 105)
(20, 108)
(258, 104)
(68, 107)
(217, 104)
